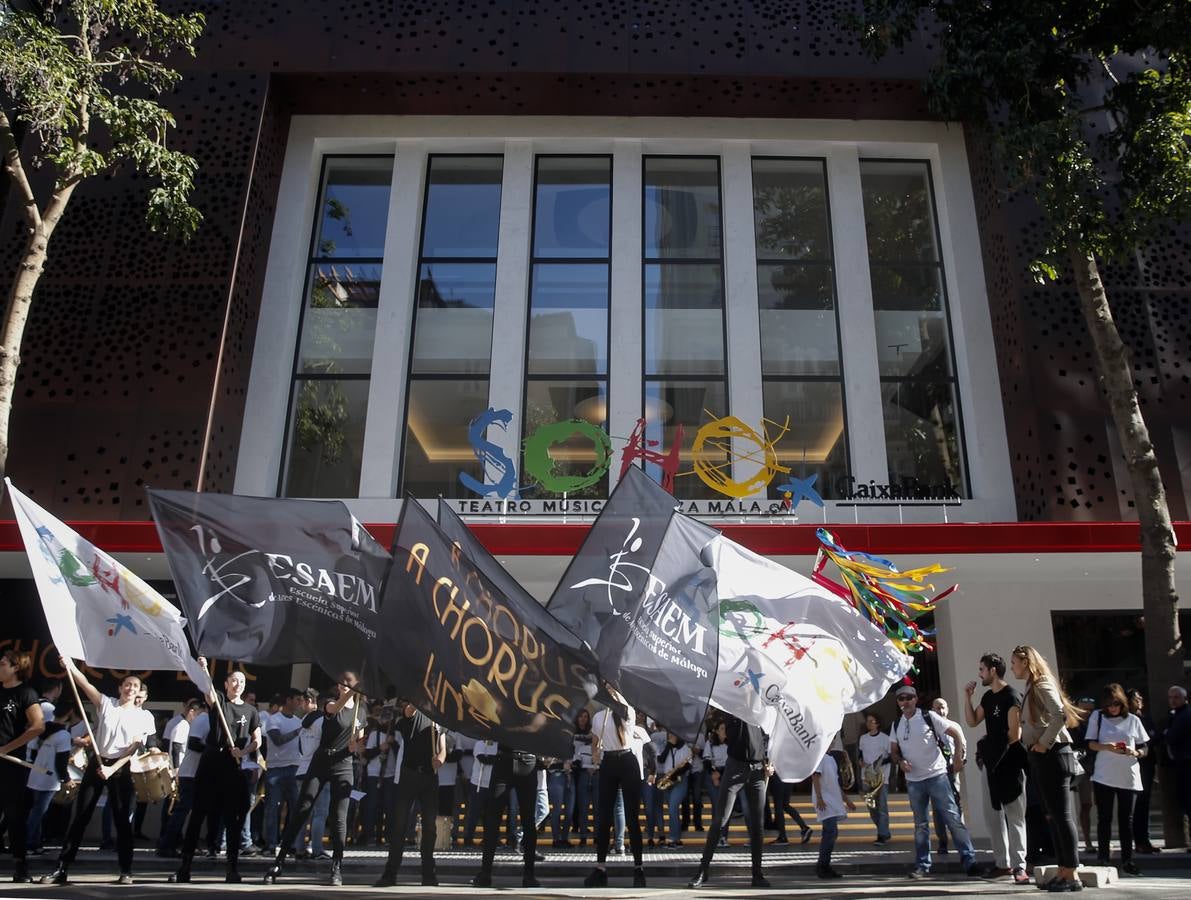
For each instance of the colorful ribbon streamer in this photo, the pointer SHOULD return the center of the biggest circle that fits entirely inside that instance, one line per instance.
(894, 601)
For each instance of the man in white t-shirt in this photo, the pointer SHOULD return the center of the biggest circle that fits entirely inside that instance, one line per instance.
(187, 739)
(874, 761)
(916, 743)
(281, 781)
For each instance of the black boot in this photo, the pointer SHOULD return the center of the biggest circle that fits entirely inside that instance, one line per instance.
(182, 876)
(639, 877)
(760, 881)
(482, 878)
(429, 879)
(388, 878)
(336, 873)
(274, 871)
(20, 873)
(529, 880)
(701, 878)
(58, 876)
(233, 876)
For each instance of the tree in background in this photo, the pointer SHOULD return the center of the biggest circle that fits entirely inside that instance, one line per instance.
(78, 79)
(1089, 104)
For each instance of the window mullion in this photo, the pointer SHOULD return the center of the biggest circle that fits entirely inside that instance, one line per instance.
(624, 350)
(858, 333)
(390, 358)
(743, 321)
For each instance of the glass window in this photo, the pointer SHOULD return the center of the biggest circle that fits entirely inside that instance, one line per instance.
(462, 216)
(691, 404)
(684, 319)
(337, 330)
(682, 207)
(567, 353)
(326, 437)
(923, 434)
(451, 353)
(572, 208)
(339, 321)
(802, 381)
(814, 445)
(354, 207)
(437, 448)
(568, 319)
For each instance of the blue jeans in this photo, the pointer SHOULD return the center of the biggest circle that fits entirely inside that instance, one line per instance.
(618, 818)
(477, 799)
(318, 819)
(937, 792)
(829, 829)
(561, 789)
(281, 784)
(677, 795)
(651, 799)
(583, 792)
(879, 813)
(41, 802)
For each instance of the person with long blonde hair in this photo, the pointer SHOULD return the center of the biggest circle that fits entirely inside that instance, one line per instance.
(1047, 713)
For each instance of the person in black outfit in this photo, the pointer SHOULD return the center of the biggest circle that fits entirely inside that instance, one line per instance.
(342, 735)
(616, 744)
(512, 770)
(220, 784)
(425, 751)
(747, 769)
(21, 721)
(1148, 764)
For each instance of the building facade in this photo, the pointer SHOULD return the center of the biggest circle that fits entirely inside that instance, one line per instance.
(488, 250)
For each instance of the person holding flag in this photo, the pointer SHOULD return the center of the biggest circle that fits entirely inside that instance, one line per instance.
(122, 729)
(342, 735)
(20, 722)
(220, 783)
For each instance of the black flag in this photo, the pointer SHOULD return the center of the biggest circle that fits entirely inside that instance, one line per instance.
(273, 581)
(638, 592)
(487, 664)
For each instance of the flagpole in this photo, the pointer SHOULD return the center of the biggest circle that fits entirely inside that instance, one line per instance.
(83, 713)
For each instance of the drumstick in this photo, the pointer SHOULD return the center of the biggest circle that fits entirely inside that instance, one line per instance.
(27, 765)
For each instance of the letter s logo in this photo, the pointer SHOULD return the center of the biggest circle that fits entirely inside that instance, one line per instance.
(490, 455)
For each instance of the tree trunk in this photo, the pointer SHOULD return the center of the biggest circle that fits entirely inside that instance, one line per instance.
(1160, 600)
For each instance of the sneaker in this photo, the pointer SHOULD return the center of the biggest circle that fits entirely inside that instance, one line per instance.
(780, 839)
(807, 834)
(1021, 876)
(760, 881)
(827, 872)
(880, 842)
(618, 850)
(919, 873)
(40, 851)
(125, 878)
(1149, 848)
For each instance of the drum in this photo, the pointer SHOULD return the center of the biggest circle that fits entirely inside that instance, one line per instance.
(152, 777)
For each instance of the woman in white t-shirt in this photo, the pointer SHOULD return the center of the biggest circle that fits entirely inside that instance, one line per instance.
(1119, 739)
(831, 807)
(122, 729)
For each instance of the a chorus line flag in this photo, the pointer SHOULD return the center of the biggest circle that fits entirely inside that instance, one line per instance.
(638, 592)
(97, 609)
(474, 659)
(275, 581)
(793, 658)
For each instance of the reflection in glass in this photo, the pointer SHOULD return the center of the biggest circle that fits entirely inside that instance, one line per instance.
(798, 328)
(326, 442)
(684, 319)
(453, 328)
(462, 206)
(568, 319)
(339, 322)
(912, 344)
(921, 434)
(691, 404)
(355, 207)
(898, 214)
(790, 209)
(572, 207)
(816, 443)
(436, 443)
(550, 401)
(682, 208)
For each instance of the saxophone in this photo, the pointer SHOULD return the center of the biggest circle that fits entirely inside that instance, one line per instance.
(668, 780)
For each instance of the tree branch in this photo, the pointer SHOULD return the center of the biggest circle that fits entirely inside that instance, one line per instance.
(16, 168)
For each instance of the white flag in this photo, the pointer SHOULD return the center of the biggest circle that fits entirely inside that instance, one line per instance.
(793, 657)
(98, 610)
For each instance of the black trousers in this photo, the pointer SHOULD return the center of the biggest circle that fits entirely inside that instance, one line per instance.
(1124, 798)
(340, 780)
(421, 786)
(1051, 773)
(220, 786)
(782, 792)
(499, 790)
(738, 776)
(619, 770)
(12, 798)
(119, 788)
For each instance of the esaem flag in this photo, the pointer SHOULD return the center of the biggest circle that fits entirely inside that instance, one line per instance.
(272, 581)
